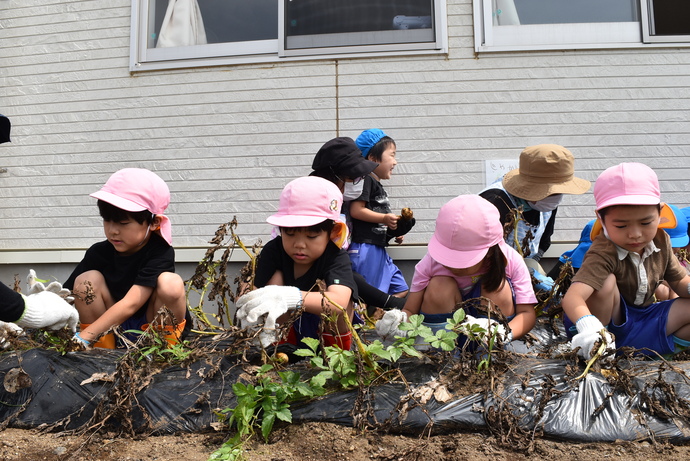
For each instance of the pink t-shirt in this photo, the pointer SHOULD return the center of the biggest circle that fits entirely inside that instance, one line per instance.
(516, 271)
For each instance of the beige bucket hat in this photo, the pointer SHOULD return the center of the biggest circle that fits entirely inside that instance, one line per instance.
(545, 169)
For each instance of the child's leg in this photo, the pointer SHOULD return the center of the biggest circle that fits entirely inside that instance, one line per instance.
(441, 295)
(678, 323)
(170, 293)
(92, 297)
(502, 298)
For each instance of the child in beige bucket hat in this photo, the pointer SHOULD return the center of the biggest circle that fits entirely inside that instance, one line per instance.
(546, 172)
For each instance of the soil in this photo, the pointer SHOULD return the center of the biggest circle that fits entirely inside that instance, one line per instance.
(318, 441)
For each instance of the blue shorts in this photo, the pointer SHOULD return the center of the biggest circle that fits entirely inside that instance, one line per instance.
(642, 328)
(135, 322)
(377, 267)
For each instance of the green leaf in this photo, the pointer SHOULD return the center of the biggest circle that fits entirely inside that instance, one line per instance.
(267, 425)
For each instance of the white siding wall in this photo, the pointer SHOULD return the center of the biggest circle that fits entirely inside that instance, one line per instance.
(227, 139)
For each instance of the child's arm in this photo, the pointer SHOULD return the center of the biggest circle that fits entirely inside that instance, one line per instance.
(524, 320)
(682, 287)
(136, 297)
(413, 304)
(358, 210)
(590, 330)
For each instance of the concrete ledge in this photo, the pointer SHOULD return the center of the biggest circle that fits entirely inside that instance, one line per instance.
(195, 254)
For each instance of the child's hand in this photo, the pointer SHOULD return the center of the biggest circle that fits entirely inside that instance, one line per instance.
(490, 326)
(590, 333)
(270, 302)
(48, 310)
(387, 327)
(390, 220)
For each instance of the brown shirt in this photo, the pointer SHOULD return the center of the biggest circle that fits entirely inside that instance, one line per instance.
(602, 259)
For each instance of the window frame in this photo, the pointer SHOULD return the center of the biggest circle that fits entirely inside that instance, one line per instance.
(143, 58)
(646, 16)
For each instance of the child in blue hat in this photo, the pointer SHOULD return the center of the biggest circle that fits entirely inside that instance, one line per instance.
(373, 220)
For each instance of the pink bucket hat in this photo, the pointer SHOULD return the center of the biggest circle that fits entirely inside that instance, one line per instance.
(138, 189)
(630, 184)
(307, 201)
(466, 227)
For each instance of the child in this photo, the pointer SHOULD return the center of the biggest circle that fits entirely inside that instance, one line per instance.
(372, 218)
(467, 258)
(289, 266)
(125, 280)
(340, 161)
(679, 240)
(625, 264)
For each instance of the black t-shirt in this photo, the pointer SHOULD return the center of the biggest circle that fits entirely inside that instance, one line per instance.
(376, 200)
(122, 272)
(502, 201)
(11, 304)
(333, 267)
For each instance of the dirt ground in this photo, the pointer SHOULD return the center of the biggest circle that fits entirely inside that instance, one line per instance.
(318, 441)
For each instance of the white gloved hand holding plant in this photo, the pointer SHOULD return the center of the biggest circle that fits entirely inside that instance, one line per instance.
(267, 303)
(590, 333)
(483, 328)
(387, 326)
(47, 307)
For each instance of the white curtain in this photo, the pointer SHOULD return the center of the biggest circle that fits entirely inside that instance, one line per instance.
(182, 25)
(504, 13)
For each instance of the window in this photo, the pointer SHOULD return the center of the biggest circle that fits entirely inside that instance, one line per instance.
(555, 24)
(506, 25)
(177, 33)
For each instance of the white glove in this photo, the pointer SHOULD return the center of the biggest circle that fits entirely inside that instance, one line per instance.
(489, 326)
(8, 330)
(387, 327)
(270, 302)
(54, 287)
(48, 310)
(589, 332)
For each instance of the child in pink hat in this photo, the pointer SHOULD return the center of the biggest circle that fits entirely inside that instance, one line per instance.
(467, 258)
(612, 295)
(289, 266)
(125, 280)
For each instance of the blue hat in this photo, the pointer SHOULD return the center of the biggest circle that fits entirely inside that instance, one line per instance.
(678, 234)
(368, 139)
(577, 255)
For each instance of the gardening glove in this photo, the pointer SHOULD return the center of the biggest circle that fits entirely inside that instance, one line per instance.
(36, 286)
(269, 302)
(387, 327)
(489, 326)
(541, 281)
(7, 330)
(590, 332)
(48, 310)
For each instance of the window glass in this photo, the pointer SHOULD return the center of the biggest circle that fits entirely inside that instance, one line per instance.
(569, 11)
(669, 17)
(221, 20)
(327, 23)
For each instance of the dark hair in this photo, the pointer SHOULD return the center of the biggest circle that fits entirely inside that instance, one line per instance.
(495, 276)
(329, 175)
(605, 210)
(114, 214)
(326, 226)
(377, 150)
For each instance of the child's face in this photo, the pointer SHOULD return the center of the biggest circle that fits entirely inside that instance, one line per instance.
(632, 227)
(127, 236)
(387, 163)
(304, 246)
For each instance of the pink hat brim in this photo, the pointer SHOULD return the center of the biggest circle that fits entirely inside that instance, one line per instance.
(455, 259)
(119, 202)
